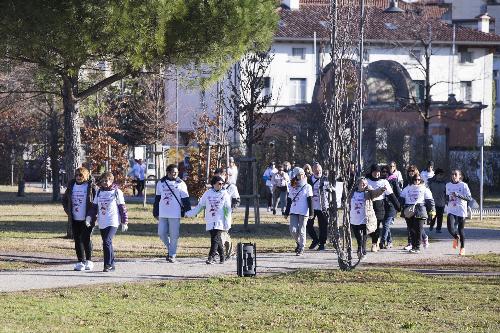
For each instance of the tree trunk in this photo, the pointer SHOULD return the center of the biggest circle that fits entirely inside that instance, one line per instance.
(54, 125)
(72, 138)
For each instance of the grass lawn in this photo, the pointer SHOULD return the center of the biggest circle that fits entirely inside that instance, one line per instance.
(304, 301)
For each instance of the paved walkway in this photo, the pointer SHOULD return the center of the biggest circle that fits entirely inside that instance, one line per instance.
(59, 271)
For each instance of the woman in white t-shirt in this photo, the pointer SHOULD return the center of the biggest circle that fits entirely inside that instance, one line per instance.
(217, 205)
(77, 200)
(362, 209)
(457, 195)
(418, 196)
(110, 210)
(299, 205)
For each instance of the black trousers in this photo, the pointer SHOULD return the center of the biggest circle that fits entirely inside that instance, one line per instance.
(416, 227)
(323, 227)
(83, 242)
(438, 218)
(456, 225)
(360, 235)
(216, 244)
(140, 186)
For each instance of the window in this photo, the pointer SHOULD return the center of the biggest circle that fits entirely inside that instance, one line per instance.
(465, 57)
(266, 86)
(419, 90)
(297, 91)
(466, 91)
(298, 54)
(415, 55)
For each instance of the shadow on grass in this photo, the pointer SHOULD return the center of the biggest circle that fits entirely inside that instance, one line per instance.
(11, 198)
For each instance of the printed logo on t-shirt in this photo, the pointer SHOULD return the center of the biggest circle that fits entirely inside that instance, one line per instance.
(215, 204)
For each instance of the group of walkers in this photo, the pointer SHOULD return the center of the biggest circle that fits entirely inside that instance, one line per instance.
(304, 194)
(378, 197)
(86, 203)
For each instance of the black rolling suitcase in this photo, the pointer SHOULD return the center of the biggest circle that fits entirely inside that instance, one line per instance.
(246, 261)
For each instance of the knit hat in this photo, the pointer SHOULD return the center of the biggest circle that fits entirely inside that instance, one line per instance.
(297, 171)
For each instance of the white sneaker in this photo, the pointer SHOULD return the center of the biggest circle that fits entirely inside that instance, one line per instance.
(80, 266)
(426, 242)
(89, 265)
(408, 247)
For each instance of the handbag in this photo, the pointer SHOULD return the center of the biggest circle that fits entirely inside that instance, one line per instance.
(409, 211)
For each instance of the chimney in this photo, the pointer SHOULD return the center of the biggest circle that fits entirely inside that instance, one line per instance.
(292, 4)
(483, 22)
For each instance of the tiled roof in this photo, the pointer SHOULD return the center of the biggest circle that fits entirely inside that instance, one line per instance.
(302, 23)
(430, 8)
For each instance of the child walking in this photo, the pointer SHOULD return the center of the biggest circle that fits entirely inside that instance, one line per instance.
(110, 211)
(362, 212)
(217, 205)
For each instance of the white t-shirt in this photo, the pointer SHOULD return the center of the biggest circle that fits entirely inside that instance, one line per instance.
(316, 185)
(232, 174)
(399, 176)
(457, 206)
(416, 194)
(375, 184)
(269, 174)
(217, 207)
(426, 175)
(232, 190)
(169, 207)
(107, 207)
(79, 201)
(357, 213)
(299, 196)
(280, 179)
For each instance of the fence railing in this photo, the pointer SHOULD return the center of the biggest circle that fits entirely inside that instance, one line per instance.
(487, 212)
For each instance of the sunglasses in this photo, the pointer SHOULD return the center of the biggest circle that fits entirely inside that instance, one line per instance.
(220, 183)
(417, 180)
(79, 175)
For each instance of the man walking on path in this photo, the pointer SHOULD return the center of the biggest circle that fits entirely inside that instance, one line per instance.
(171, 202)
(320, 202)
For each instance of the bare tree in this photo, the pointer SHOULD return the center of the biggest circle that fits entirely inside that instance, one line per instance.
(340, 113)
(248, 105)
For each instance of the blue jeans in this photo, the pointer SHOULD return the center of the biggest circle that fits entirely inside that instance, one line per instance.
(386, 230)
(168, 230)
(107, 235)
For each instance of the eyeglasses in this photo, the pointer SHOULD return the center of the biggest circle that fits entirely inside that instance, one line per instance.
(79, 175)
(220, 183)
